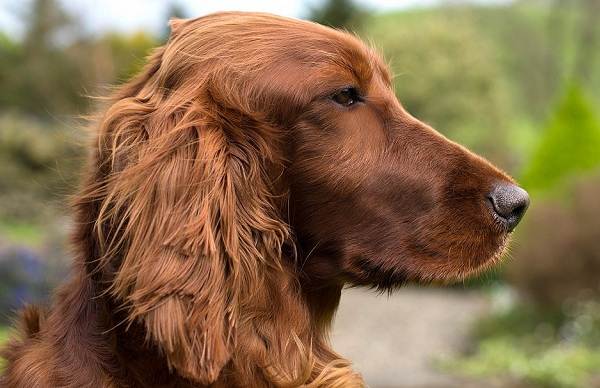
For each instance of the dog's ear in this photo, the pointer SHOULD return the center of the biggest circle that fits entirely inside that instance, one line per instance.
(188, 209)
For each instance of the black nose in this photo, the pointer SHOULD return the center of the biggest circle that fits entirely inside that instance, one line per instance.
(509, 202)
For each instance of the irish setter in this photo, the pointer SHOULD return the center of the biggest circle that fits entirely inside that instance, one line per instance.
(256, 166)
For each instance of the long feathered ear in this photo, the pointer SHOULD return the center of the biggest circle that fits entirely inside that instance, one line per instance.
(186, 221)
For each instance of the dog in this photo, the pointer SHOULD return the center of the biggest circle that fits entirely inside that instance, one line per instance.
(256, 166)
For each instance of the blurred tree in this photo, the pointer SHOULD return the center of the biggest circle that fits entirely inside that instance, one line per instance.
(127, 53)
(557, 255)
(529, 49)
(54, 68)
(45, 80)
(589, 40)
(447, 74)
(42, 79)
(569, 145)
(44, 21)
(339, 14)
(11, 56)
(174, 11)
(574, 33)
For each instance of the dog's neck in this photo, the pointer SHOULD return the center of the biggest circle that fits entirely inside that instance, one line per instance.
(323, 303)
(125, 353)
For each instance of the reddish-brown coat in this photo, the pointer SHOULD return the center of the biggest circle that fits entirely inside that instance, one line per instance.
(227, 201)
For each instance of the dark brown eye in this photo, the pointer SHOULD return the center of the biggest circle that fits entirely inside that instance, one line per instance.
(346, 97)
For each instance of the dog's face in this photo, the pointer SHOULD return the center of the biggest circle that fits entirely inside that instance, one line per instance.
(379, 198)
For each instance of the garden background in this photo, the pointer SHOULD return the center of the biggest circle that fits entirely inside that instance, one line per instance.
(516, 81)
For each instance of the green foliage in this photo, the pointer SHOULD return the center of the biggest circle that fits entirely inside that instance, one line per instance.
(38, 165)
(127, 53)
(46, 76)
(557, 366)
(37, 74)
(569, 145)
(446, 74)
(559, 350)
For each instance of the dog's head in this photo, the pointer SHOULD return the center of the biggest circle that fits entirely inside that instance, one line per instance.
(248, 134)
(376, 197)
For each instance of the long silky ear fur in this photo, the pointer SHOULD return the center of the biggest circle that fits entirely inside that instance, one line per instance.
(186, 218)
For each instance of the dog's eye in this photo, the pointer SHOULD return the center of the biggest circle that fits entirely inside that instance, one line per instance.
(346, 97)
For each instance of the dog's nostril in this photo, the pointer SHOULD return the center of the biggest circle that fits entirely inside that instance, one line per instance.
(509, 202)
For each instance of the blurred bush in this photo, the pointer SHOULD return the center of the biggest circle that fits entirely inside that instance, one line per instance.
(38, 166)
(569, 144)
(557, 255)
(52, 69)
(127, 53)
(46, 77)
(537, 348)
(447, 74)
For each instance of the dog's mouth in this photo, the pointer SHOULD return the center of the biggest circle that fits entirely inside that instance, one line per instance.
(482, 265)
(469, 259)
(459, 269)
(479, 241)
(460, 234)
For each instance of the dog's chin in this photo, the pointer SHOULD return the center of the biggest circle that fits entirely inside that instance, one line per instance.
(424, 270)
(460, 269)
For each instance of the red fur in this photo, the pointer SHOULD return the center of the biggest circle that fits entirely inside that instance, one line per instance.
(227, 201)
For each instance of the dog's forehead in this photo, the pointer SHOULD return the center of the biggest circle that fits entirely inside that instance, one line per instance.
(333, 58)
(274, 56)
(343, 54)
(260, 40)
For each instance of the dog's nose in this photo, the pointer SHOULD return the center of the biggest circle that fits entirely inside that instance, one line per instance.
(509, 202)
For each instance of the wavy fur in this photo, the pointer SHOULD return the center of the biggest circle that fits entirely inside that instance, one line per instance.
(227, 201)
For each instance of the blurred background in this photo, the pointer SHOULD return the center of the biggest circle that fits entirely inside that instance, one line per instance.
(516, 81)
